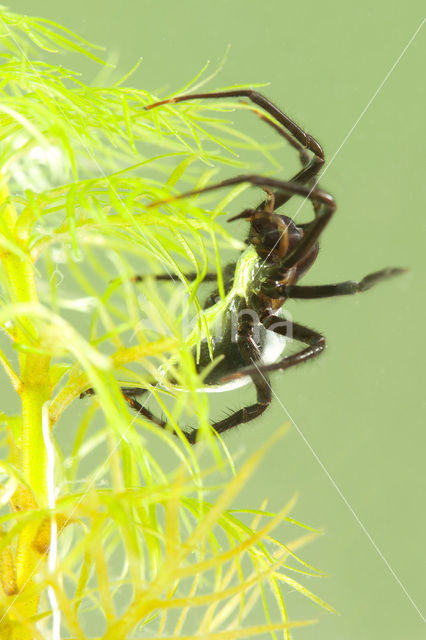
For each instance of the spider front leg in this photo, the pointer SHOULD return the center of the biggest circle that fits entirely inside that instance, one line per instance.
(305, 139)
(287, 128)
(325, 202)
(307, 175)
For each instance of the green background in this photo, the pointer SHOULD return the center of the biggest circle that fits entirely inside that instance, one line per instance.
(355, 453)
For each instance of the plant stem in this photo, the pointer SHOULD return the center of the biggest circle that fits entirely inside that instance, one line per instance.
(34, 390)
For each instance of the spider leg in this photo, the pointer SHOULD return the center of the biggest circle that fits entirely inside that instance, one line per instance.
(250, 354)
(306, 175)
(314, 340)
(246, 414)
(171, 277)
(305, 139)
(325, 202)
(349, 287)
(129, 396)
(228, 278)
(299, 139)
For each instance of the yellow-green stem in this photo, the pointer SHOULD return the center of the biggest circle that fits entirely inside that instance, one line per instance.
(34, 392)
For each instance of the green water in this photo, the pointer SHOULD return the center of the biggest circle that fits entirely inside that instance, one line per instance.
(355, 451)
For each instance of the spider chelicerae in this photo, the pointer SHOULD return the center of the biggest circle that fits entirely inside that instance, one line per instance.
(279, 252)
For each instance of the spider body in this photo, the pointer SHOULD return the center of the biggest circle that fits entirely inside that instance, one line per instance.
(243, 301)
(246, 304)
(279, 251)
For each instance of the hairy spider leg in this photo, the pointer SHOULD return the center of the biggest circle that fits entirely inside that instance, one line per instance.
(308, 173)
(171, 277)
(314, 340)
(250, 353)
(246, 344)
(129, 394)
(298, 138)
(305, 139)
(312, 230)
(347, 288)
